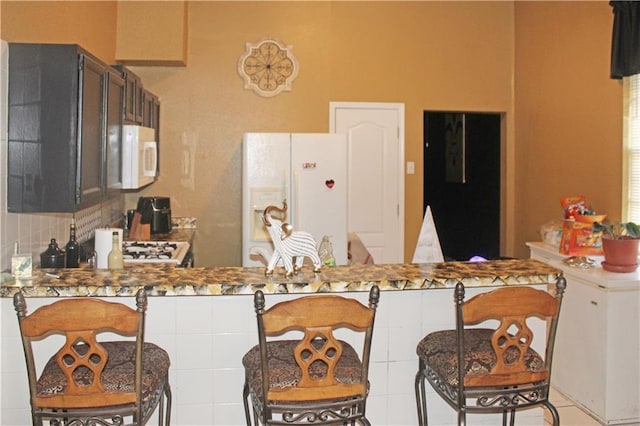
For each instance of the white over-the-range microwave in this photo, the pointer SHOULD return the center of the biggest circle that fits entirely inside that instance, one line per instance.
(139, 156)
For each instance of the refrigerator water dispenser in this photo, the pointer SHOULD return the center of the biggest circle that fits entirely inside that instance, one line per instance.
(261, 198)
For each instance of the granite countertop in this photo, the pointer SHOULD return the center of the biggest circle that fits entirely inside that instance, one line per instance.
(604, 280)
(170, 281)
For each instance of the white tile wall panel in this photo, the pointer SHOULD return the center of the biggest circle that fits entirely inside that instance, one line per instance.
(206, 371)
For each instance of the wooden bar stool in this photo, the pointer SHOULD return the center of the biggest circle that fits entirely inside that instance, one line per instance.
(316, 379)
(90, 382)
(500, 371)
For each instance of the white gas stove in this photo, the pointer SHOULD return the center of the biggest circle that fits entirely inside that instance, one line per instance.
(154, 251)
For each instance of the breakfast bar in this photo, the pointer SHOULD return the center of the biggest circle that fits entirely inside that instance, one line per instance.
(204, 318)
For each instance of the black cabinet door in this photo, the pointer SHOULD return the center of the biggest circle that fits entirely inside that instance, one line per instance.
(156, 126)
(147, 103)
(139, 98)
(130, 100)
(151, 112)
(56, 128)
(133, 95)
(151, 118)
(43, 114)
(114, 117)
(91, 131)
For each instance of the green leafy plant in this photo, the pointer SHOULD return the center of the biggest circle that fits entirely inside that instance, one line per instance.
(618, 230)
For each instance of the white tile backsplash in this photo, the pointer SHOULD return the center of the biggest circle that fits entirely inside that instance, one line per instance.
(227, 414)
(193, 414)
(194, 351)
(18, 398)
(227, 385)
(380, 344)
(193, 316)
(161, 316)
(227, 346)
(378, 377)
(194, 387)
(235, 304)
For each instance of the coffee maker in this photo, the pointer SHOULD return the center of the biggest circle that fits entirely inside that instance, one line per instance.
(155, 211)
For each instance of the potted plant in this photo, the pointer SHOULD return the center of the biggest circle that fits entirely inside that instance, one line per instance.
(620, 242)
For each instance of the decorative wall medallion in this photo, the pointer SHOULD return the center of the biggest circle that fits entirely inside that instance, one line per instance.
(268, 67)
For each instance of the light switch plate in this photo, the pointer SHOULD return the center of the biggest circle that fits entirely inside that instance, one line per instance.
(411, 167)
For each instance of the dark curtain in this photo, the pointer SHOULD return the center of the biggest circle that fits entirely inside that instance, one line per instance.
(625, 40)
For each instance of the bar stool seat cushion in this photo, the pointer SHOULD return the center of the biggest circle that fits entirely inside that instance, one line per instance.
(118, 374)
(284, 372)
(438, 350)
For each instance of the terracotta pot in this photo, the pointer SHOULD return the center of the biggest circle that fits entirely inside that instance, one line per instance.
(620, 255)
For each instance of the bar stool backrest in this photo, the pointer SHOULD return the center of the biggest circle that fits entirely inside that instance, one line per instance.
(511, 306)
(317, 317)
(80, 321)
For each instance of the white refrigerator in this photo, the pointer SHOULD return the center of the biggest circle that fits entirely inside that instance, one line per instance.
(309, 170)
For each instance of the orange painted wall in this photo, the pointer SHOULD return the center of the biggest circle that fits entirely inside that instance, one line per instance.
(91, 24)
(568, 112)
(428, 55)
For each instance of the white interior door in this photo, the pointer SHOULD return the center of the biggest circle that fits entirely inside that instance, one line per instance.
(375, 138)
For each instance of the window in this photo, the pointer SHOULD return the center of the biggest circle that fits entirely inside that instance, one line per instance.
(631, 138)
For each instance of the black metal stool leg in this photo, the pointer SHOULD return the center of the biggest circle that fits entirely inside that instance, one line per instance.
(421, 396)
(554, 413)
(167, 392)
(245, 400)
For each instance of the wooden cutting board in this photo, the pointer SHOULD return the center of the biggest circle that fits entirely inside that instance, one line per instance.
(139, 231)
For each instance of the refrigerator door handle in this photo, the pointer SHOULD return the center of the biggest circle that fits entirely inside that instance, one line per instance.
(286, 194)
(293, 218)
(285, 182)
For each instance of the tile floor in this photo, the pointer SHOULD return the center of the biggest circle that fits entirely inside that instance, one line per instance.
(570, 415)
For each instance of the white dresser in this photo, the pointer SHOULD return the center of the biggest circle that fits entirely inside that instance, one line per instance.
(597, 355)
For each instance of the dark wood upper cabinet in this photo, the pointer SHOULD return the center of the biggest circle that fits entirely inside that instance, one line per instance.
(131, 82)
(151, 110)
(135, 97)
(132, 96)
(62, 102)
(115, 119)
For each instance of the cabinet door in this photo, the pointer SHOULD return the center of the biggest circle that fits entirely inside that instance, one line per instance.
(130, 99)
(114, 114)
(147, 113)
(580, 351)
(57, 128)
(43, 90)
(151, 117)
(90, 181)
(156, 126)
(139, 99)
(156, 118)
(133, 96)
